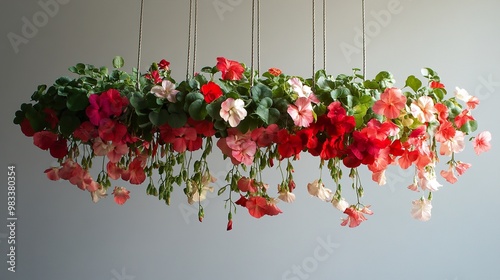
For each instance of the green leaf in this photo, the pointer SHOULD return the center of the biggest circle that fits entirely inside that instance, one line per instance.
(439, 93)
(274, 116)
(266, 102)
(263, 113)
(158, 118)
(137, 101)
(213, 110)
(260, 91)
(197, 110)
(63, 81)
(413, 83)
(118, 62)
(68, 123)
(469, 127)
(77, 102)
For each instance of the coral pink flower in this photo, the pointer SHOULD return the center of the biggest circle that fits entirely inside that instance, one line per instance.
(272, 209)
(274, 71)
(354, 216)
(265, 136)
(117, 151)
(461, 167)
(257, 206)
(101, 148)
(136, 171)
(246, 184)
(445, 132)
(233, 111)
(421, 209)
(423, 109)
(482, 142)
(449, 175)
(301, 112)
(53, 173)
(453, 145)
(165, 91)
(230, 69)
(114, 172)
(435, 84)
(463, 118)
(391, 102)
(121, 195)
(473, 102)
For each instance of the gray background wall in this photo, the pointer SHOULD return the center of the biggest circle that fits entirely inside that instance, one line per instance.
(62, 235)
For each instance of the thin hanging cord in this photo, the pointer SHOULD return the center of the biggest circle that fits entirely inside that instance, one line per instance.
(140, 46)
(324, 34)
(313, 41)
(364, 37)
(195, 37)
(190, 31)
(253, 44)
(258, 36)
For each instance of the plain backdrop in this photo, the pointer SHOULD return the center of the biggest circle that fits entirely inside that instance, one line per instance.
(62, 235)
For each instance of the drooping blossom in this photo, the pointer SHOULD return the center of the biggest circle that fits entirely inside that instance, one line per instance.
(423, 109)
(340, 203)
(211, 91)
(421, 209)
(230, 69)
(243, 148)
(246, 184)
(317, 189)
(53, 173)
(117, 151)
(461, 167)
(428, 180)
(354, 216)
(98, 194)
(390, 104)
(165, 91)
(286, 196)
(301, 112)
(233, 111)
(481, 143)
(449, 175)
(257, 206)
(121, 195)
(196, 195)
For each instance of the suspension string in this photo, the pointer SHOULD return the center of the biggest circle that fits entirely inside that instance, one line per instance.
(313, 41)
(195, 37)
(139, 49)
(258, 36)
(324, 34)
(190, 30)
(253, 45)
(364, 37)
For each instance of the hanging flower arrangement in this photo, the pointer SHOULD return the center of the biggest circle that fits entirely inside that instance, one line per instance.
(155, 126)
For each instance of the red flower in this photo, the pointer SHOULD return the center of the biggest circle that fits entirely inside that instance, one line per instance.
(164, 64)
(110, 130)
(155, 76)
(85, 132)
(288, 145)
(26, 128)
(51, 117)
(247, 185)
(264, 137)
(205, 128)
(463, 118)
(257, 206)
(231, 70)
(435, 84)
(44, 139)
(136, 172)
(274, 71)
(211, 91)
(229, 225)
(112, 103)
(59, 149)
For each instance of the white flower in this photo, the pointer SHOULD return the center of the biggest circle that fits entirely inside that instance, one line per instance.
(98, 194)
(287, 197)
(195, 195)
(318, 190)
(428, 181)
(462, 94)
(233, 111)
(340, 204)
(302, 90)
(166, 90)
(421, 209)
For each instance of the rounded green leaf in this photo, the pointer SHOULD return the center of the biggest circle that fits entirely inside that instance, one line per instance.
(118, 62)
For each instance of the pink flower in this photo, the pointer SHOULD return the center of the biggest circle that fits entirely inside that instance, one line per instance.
(482, 142)
(473, 102)
(391, 102)
(233, 111)
(421, 209)
(101, 148)
(246, 184)
(231, 70)
(165, 91)
(117, 151)
(354, 216)
(121, 195)
(301, 112)
(317, 189)
(114, 172)
(453, 145)
(423, 109)
(449, 175)
(461, 167)
(265, 136)
(53, 173)
(302, 90)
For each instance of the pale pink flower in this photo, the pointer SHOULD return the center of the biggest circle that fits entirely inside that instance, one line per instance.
(117, 151)
(453, 145)
(195, 195)
(449, 175)
(287, 196)
(121, 195)
(421, 209)
(166, 90)
(302, 90)
(428, 180)
(482, 142)
(301, 112)
(101, 148)
(391, 102)
(340, 203)
(461, 167)
(317, 189)
(379, 177)
(423, 109)
(473, 102)
(233, 111)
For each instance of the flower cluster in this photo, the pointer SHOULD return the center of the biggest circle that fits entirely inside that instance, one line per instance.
(266, 121)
